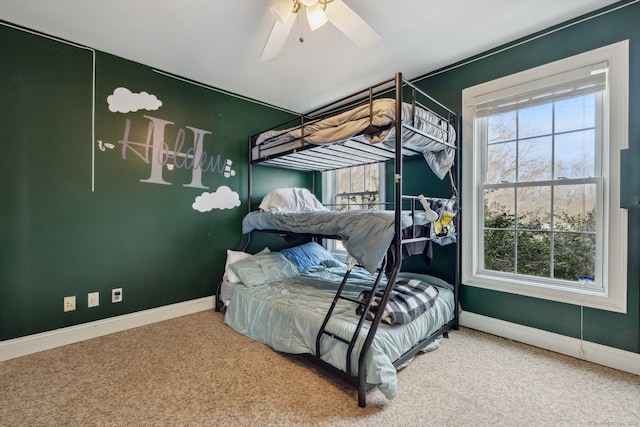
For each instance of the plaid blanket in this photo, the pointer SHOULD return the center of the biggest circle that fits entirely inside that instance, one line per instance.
(409, 298)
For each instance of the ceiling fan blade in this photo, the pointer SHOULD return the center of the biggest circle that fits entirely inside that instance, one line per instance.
(351, 25)
(277, 39)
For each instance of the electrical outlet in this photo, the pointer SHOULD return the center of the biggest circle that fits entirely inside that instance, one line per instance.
(116, 295)
(69, 303)
(93, 299)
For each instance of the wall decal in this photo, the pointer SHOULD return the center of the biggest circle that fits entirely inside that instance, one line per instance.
(167, 146)
(228, 172)
(124, 101)
(158, 153)
(222, 198)
(103, 146)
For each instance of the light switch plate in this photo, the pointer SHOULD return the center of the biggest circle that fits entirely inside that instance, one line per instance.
(93, 299)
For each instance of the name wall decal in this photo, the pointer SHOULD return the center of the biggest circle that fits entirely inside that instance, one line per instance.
(185, 152)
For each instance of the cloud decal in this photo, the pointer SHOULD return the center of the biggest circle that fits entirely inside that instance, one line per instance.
(222, 198)
(124, 101)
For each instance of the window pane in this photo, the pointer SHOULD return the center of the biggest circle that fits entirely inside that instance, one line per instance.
(499, 208)
(371, 175)
(372, 201)
(535, 121)
(501, 162)
(499, 250)
(575, 155)
(574, 207)
(348, 203)
(575, 113)
(574, 256)
(534, 159)
(357, 179)
(534, 254)
(501, 127)
(534, 208)
(342, 203)
(344, 180)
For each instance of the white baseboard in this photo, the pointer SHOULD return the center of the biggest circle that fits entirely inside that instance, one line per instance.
(591, 352)
(47, 340)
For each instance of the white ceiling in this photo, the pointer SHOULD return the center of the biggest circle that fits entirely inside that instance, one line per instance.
(219, 43)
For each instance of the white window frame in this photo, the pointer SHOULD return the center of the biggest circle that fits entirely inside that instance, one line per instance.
(613, 296)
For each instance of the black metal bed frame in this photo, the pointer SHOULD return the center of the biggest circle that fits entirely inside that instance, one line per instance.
(308, 156)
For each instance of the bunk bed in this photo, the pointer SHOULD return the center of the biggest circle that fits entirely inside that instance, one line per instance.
(344, 315)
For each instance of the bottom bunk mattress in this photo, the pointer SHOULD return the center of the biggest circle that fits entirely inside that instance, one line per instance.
(287, 315)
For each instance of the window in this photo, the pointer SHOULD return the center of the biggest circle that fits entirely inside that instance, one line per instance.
(357, 188)
(541, 154)
(353, 188)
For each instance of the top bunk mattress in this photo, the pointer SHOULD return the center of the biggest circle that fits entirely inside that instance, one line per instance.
(370, 124)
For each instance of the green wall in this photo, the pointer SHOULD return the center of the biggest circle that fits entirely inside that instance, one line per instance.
(77, 216)
(603, 327)
(87, 206)
(419, 179)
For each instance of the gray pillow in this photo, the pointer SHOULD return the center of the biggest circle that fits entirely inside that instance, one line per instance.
(265, 268)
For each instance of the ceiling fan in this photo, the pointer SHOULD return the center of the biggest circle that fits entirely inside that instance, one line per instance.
(318, 12)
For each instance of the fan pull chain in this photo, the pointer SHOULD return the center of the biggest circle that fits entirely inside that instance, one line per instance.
(300, 28)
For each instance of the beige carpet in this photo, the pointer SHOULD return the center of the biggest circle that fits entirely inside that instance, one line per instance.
(196, 371)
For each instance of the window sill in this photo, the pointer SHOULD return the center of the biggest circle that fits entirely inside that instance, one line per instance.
(614, 301)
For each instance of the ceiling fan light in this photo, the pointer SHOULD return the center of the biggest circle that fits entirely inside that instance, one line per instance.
(316, 16)
(282, 10)
(309, 3)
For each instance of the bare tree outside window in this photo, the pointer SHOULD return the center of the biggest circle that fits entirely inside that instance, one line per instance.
(539, 209)
(358, 188)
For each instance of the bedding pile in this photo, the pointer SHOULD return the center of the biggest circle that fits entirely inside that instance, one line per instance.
(291, 199)
(373, 124)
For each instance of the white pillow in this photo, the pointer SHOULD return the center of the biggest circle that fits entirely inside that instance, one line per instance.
(235, 256)
(291, 199)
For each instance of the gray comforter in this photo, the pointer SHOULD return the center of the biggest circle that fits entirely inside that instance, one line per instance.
(366, 235)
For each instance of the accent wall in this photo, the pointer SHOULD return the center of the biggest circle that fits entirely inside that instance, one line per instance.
(113, 176)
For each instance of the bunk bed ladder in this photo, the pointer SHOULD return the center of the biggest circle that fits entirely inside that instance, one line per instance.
(365, 305)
